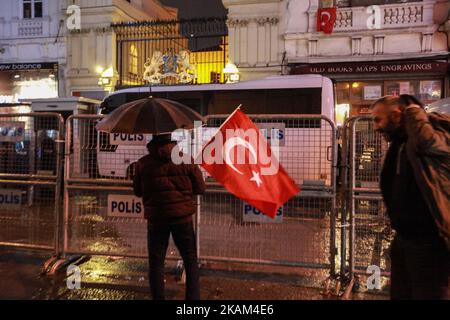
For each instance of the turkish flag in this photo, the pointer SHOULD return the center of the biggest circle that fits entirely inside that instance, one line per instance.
(326, 17)
(239, 157)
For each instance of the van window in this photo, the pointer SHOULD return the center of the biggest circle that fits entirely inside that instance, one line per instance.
(274, 101)
(192, 99)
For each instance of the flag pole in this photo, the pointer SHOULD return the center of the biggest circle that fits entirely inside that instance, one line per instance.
(235, 110)
(232, 114)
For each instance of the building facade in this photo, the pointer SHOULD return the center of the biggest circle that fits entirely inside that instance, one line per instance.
(46, 53)
(94, 46)
(376, 47)
(185, 51)
(32, 50)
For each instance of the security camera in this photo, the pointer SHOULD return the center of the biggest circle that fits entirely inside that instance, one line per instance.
(2, 50)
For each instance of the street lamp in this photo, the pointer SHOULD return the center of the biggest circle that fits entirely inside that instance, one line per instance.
(107, 78)
(231, 72)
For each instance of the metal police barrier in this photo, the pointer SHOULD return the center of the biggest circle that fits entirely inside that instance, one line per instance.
(369, 233)
(101, 214)
(102, 217)
(303, 232)
(30, 179)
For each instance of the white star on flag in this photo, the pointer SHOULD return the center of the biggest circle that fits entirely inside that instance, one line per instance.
(256, 178)
(270, 193)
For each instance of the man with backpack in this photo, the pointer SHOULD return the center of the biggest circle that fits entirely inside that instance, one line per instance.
(415, 183)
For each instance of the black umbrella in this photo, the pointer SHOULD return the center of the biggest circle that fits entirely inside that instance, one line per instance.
(149, 116)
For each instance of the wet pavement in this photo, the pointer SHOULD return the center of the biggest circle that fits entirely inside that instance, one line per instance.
(109, 278)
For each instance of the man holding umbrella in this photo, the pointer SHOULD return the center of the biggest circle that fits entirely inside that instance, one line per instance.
(167, 189)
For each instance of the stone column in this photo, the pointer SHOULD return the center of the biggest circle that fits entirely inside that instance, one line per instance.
(312, 47)
(274, 54)
(356, 45)
(378, 44)
(252, 42)
(232, 36)
(262, 36)
(243, 43)
(427, 43)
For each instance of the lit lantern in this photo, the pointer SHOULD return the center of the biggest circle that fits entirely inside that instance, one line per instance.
(231, 72)
(107, 78)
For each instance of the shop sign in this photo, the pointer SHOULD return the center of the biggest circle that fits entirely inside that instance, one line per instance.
(27, 66)
(372, 67)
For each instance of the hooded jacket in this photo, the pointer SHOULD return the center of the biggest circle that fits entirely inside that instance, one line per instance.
(428, 151)
(167, 189)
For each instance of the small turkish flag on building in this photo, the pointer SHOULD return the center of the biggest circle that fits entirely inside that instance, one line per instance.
(326, 17)
(239, 157)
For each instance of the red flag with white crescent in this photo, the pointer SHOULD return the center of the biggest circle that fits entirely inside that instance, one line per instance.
(240, 158)
(326, 17)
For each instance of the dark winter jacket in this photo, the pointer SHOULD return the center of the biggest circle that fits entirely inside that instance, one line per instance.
(428, 152)
(408, 210)
(167, 189)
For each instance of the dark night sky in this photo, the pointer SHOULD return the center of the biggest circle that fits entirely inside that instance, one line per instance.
(197, 8)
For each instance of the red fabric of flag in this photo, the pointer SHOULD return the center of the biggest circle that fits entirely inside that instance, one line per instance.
(326, 17)
(258, 180)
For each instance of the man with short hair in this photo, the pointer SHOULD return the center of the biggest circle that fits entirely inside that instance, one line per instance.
(415, 183)
(168, 193)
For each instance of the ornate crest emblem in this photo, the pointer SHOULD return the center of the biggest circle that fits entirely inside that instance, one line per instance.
(186, 71)
(170, 63)
(152, 67)
(162, 66)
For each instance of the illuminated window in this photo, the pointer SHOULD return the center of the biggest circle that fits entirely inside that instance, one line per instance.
(32, 9)
(133, 64)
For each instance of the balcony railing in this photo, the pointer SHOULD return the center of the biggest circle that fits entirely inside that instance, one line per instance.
(30, 28)
(344, 18)
(403, 15)
(392, 16)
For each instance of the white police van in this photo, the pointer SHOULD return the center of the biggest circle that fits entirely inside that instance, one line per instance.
(305, 150)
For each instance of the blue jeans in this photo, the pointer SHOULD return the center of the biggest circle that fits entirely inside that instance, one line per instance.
(158, 241)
